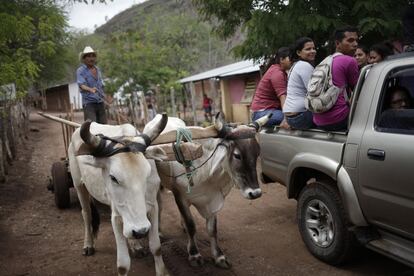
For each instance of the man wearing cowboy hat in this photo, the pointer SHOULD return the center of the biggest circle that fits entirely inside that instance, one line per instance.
(90, 83)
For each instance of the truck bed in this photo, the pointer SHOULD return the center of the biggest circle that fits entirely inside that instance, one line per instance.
(283, 150)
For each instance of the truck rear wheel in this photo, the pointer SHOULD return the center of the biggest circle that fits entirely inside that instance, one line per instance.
(323, 223)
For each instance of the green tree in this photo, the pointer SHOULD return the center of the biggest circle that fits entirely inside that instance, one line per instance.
(180, 18)
(89, 2)
(152, 46)
(160, 51)
(32, 42)
(156, 54)
(269, 24)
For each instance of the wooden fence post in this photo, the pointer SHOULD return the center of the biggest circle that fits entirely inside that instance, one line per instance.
(2, 164)
(173, 107)
(13, 129)
(193, 103)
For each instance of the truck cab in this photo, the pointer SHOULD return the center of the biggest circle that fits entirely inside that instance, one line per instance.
(354, 186)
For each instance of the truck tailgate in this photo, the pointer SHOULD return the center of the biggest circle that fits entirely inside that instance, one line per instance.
(281, 148)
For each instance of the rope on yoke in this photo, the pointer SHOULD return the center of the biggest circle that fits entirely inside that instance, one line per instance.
(184, 134)
(202, 164)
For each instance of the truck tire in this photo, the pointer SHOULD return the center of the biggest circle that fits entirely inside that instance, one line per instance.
(323, 224)
(60, 180)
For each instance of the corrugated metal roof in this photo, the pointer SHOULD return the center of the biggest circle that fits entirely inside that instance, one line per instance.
(250, 69)
(226, 70)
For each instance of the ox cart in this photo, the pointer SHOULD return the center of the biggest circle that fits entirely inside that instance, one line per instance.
(60, 181)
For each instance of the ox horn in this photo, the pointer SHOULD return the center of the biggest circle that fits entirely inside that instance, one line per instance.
(222, 130)
(261, 121)
(158, 128)
(87, 136)
(241, 132)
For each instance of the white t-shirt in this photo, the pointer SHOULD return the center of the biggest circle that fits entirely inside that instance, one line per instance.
(299, 77)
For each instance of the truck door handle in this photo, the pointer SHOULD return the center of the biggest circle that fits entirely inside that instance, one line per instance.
(376, 154)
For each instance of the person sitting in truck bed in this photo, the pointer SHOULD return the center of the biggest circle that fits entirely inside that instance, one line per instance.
(361, 56)
(379, 52)
(398, 113)
(303, 55)
(345, 74)
(270, 94)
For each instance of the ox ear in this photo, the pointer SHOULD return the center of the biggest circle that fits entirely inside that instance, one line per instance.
(156, 153)
(218, 159)
(92, 161)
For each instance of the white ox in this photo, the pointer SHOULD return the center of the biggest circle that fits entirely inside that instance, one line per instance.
(226, 162)
(116, 173)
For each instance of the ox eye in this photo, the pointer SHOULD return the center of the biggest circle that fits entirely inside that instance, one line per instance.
(237, 156)
(113, 178)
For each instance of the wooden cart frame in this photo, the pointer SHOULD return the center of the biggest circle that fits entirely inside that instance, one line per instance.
(61, 179)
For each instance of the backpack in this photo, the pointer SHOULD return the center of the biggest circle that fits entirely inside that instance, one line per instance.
(322, 93)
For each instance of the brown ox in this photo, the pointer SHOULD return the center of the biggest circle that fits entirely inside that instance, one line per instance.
(227, 161)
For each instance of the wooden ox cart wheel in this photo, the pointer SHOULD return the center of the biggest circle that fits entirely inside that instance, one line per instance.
(60, 181)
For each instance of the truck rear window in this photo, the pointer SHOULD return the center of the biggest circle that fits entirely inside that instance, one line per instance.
(396, 109)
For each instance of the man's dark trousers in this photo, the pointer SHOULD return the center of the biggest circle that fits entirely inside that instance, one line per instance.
(95, 112)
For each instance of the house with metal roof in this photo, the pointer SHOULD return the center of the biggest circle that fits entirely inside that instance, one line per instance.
(60, 97)
(231, 87)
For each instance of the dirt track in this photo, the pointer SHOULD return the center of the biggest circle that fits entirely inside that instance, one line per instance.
(260, 237)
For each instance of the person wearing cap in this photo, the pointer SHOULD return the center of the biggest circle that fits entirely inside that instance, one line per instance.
(90, 83)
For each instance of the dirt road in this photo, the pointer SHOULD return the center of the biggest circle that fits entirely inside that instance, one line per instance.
(260, 237)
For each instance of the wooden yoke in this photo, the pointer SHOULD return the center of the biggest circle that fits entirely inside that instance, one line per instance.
(196, 132)
(189, 150)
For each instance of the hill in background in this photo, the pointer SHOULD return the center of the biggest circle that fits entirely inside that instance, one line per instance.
(212, 52)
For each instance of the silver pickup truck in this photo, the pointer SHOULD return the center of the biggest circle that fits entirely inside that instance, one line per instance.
(356, 186)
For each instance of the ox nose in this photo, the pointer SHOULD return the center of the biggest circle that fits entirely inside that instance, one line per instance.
(141, 233)
(255, 194)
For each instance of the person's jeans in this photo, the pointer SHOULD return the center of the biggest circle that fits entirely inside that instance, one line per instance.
(276, 118)
(340, 126)
(95, 112)
(303, 120)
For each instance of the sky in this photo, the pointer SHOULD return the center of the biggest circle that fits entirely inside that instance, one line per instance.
(86, 16)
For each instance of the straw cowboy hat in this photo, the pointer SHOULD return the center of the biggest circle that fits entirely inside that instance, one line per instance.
(87, 50)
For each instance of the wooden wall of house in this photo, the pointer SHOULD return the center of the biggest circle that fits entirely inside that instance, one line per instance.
(237, 95)
(75, 96)
(57, 98)
(231, 95)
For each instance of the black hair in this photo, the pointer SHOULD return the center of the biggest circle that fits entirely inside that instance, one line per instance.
(281, 53)
(390, 92)
(364, 48)
(339, 33)
(298, 46)
(382, 49)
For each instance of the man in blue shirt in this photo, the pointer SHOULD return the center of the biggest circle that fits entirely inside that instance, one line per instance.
(90, 83)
